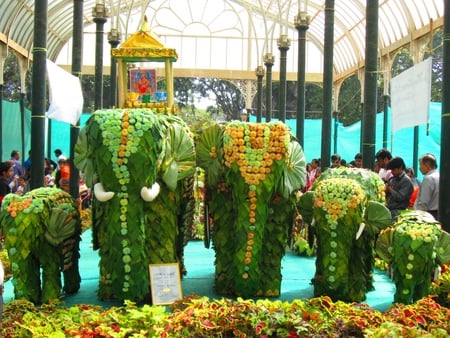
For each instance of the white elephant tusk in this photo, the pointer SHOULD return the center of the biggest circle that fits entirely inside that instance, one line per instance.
(149, 195)
(101, 194)
(313, 222)
(360, 230)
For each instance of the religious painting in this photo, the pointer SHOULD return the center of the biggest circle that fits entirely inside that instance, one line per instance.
(143, 81)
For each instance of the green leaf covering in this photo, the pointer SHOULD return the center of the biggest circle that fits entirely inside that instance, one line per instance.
(378, 216)
(305, 205)
(294, 174)
(443, 248)
(384, 244)
(179, 155)
(210, 154)
(82, 153)
(61, 226)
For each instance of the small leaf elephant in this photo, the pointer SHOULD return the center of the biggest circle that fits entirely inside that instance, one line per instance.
(42, 230)
(345, 209)
(140, 166)
(414, 246)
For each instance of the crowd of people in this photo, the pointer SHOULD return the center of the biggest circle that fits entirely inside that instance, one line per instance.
(14, 176)
(403, 189)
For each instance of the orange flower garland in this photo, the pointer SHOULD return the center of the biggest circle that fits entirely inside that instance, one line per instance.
(254, 147)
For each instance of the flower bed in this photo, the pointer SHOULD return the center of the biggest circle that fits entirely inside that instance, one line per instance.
(201, 317)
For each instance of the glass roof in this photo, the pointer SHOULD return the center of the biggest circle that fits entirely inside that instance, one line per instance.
(227, 34)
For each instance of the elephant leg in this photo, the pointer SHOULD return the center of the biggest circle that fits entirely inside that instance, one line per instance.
(71, 272)
(27, 280)
(51, 273)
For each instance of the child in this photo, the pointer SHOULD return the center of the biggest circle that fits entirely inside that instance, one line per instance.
(49, 180)
(22, 187)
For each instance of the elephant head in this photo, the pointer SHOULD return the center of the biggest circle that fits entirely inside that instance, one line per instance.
(345, 211)
(137, 163)
(414, 246)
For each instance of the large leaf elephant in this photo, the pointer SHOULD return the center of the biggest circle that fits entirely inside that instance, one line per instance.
(252, 171)
(414, 246)
(346, 210)
(42, 231)
(140, 166)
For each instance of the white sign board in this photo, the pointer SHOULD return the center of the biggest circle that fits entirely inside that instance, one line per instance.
(165, 283)
(411, 96)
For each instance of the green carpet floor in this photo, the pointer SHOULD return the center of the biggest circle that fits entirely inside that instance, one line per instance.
(297, 272)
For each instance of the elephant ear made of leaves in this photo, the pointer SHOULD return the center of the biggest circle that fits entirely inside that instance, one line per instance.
(414, 246)
(346, 209)
(42, 230)
(252, 171)
(141, 168)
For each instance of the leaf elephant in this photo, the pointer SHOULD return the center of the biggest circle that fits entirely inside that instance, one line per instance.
(42, 231)
(414, 247)
(346, 210)
(140, 166)
(252, 171)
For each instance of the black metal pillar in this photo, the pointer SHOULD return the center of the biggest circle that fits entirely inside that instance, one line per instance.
(3, 55)
(335, 133)
(269, 60)
(302, 25)
(370, 85)
(385, 120)
(114, 40)
(259, 76)
(283, 46)
(38, 105)
(444, 167)
(99, 14)
(327, 83)
(1, 118)
(77, 62)
(24, 151)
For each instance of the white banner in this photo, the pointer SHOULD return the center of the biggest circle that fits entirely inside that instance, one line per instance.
(411, 96)
(66, 97)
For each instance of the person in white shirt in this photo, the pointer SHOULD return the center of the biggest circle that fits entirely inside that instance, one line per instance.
(428, 199)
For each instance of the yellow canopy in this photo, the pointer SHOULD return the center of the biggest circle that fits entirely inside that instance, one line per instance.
(144, 46)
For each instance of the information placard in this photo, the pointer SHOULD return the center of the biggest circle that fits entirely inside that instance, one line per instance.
(165, 283)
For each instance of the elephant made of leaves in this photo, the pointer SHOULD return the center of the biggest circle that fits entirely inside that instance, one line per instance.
(42, 231)
(139, 165)
(414, 246)
(345, 209)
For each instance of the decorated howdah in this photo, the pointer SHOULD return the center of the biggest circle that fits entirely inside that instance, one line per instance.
(141, 167)
(414, 246)
(252, 172)
(41, 230)
(346, 210)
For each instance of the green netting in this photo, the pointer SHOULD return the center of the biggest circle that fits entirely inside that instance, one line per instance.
(348, 140)
(347, 145)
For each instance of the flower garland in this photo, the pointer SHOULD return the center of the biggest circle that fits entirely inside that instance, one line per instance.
(121, 137)
(254, 147)
(337, 197)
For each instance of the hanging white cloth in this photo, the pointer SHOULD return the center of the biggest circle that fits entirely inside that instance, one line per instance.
(66, 97)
